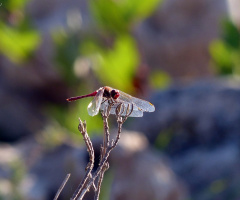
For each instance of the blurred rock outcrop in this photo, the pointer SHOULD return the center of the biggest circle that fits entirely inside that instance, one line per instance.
(198, 127)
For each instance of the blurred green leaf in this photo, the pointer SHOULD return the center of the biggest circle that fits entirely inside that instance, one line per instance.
(109, 15)
(141, 9)
(12, 5)
(67, 50)
(90, 47)
(231, 34)
(164, 138)
(117, 66)
(159, 79)
(17, 44)
(222, 57)
(118, 16)
(225, 52)
(218, 186)
(18, 171)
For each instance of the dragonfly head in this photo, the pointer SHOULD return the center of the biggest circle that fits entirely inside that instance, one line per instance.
(115, 94)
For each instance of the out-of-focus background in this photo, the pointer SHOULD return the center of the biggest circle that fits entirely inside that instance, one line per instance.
(182, 55)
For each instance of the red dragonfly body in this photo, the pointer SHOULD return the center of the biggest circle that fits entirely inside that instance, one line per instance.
(107, 96)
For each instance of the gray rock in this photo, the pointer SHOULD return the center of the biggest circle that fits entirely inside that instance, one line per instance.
(200, 126)
(202, 113)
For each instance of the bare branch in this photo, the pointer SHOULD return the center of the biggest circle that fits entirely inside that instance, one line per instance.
(120, 123)
(82, 128)
(104, 159)
(105, 115)
(62, 186)
(106, 148)
(96, 174)
(100, 179)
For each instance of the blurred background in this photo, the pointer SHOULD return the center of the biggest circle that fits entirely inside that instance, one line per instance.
(182, 55)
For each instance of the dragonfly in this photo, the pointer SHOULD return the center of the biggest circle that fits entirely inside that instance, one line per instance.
(118, 103)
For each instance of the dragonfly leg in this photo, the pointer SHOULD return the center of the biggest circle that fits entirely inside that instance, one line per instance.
(109, 109)
(129, 112)
(104, 101)
(118, 109)
(110, 104)
(106, 109)
(123, 109)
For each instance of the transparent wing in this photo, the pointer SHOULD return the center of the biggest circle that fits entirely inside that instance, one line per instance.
(93, 107)
(142, 104)
(126, 109)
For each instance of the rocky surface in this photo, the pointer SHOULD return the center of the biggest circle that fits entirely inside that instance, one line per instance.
(197, 126)
(203, 113)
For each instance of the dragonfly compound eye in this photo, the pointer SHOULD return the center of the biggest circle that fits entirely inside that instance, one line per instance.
(115, 94)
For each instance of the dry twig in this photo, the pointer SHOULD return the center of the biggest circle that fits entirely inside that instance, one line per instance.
(82, 128)
(89, 178)
(62, 186)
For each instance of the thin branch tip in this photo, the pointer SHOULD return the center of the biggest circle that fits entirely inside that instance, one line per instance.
(62, 186)
(85, 124)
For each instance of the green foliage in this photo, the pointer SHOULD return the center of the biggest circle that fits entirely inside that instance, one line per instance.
(17, 171)
(231, 35)
(52, 135)
(222, 56)
(114, 66)
(13, 5)
(225, 52)
(17, 44)
(159, 79)
(118, 16)
(17, 39)
(164, 138)
(218, 186)
(66, 52)
(117, 66)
